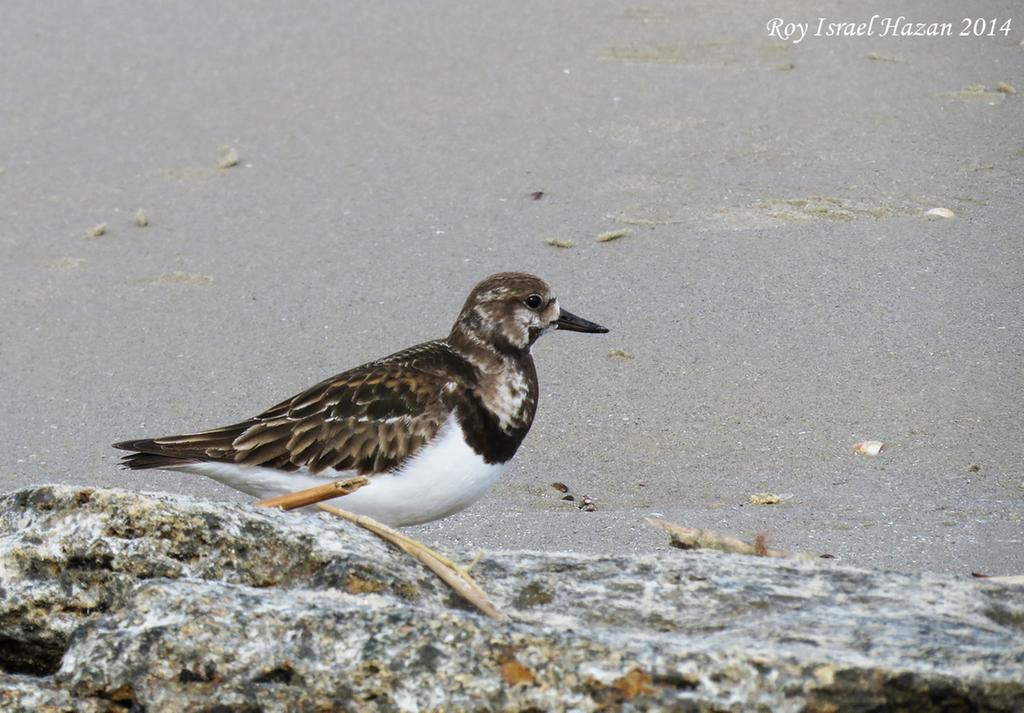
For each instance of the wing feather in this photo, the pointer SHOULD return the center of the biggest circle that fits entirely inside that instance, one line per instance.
(301, 439)
(370, 419)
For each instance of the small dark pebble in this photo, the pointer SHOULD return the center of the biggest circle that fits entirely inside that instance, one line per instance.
(979, 575)
(560, 487)
(827, 556)
(569, 498)
(537, 195)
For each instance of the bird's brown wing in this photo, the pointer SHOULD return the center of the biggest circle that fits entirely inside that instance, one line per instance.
(369, 419)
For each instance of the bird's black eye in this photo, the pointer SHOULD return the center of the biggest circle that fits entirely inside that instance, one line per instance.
(534, 301)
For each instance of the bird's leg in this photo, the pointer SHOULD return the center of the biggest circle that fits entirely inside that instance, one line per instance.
(319, 493)
(316, 494)
(452, 574)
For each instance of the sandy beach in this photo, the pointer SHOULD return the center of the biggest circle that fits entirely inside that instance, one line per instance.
(777, 294)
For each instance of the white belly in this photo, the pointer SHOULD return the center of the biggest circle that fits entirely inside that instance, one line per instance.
(446, 476)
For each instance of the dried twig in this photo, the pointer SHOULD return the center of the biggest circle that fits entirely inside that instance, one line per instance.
(480, 554)
(692, 538)
(612, 235)
(316, 494)
(452, 575)
(1017, 579)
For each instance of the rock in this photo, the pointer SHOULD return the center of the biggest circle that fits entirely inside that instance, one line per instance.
(40, 695)
(115, 600)
(69, 554)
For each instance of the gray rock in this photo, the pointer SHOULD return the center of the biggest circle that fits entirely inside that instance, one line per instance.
(39, 695)
(116, 599)
(67, 554)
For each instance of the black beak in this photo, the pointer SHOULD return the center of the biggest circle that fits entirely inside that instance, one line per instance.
(572, 323)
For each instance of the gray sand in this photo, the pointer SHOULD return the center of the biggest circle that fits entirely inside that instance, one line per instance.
(780, 290)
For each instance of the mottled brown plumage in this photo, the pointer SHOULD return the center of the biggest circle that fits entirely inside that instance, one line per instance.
(368, 419)
(373, 418)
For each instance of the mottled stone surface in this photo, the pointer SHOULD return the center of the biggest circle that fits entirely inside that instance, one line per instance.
(69, 554)
(118, 600)
(30, 693)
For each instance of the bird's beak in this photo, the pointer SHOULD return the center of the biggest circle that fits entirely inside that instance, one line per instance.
(572, 323)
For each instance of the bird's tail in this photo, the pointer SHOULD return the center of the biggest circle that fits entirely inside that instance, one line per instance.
(148, 456)
(172, 451)
(143, 460)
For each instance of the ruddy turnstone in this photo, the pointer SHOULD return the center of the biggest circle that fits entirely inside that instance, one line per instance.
(432, 426)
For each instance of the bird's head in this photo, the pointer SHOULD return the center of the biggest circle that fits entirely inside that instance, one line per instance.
(510, 310)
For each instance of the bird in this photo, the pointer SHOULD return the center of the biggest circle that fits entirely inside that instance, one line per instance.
(432, 427)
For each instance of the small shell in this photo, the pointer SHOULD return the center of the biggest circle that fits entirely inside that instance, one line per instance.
(96, 231)
(620, 354)
(1005, 88)
(229, 159)
(868, 448)
(940, 212)
(141, 219)
(560, 487)
(765, 499)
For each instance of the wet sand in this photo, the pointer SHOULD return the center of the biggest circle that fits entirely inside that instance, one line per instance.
(779, 291)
